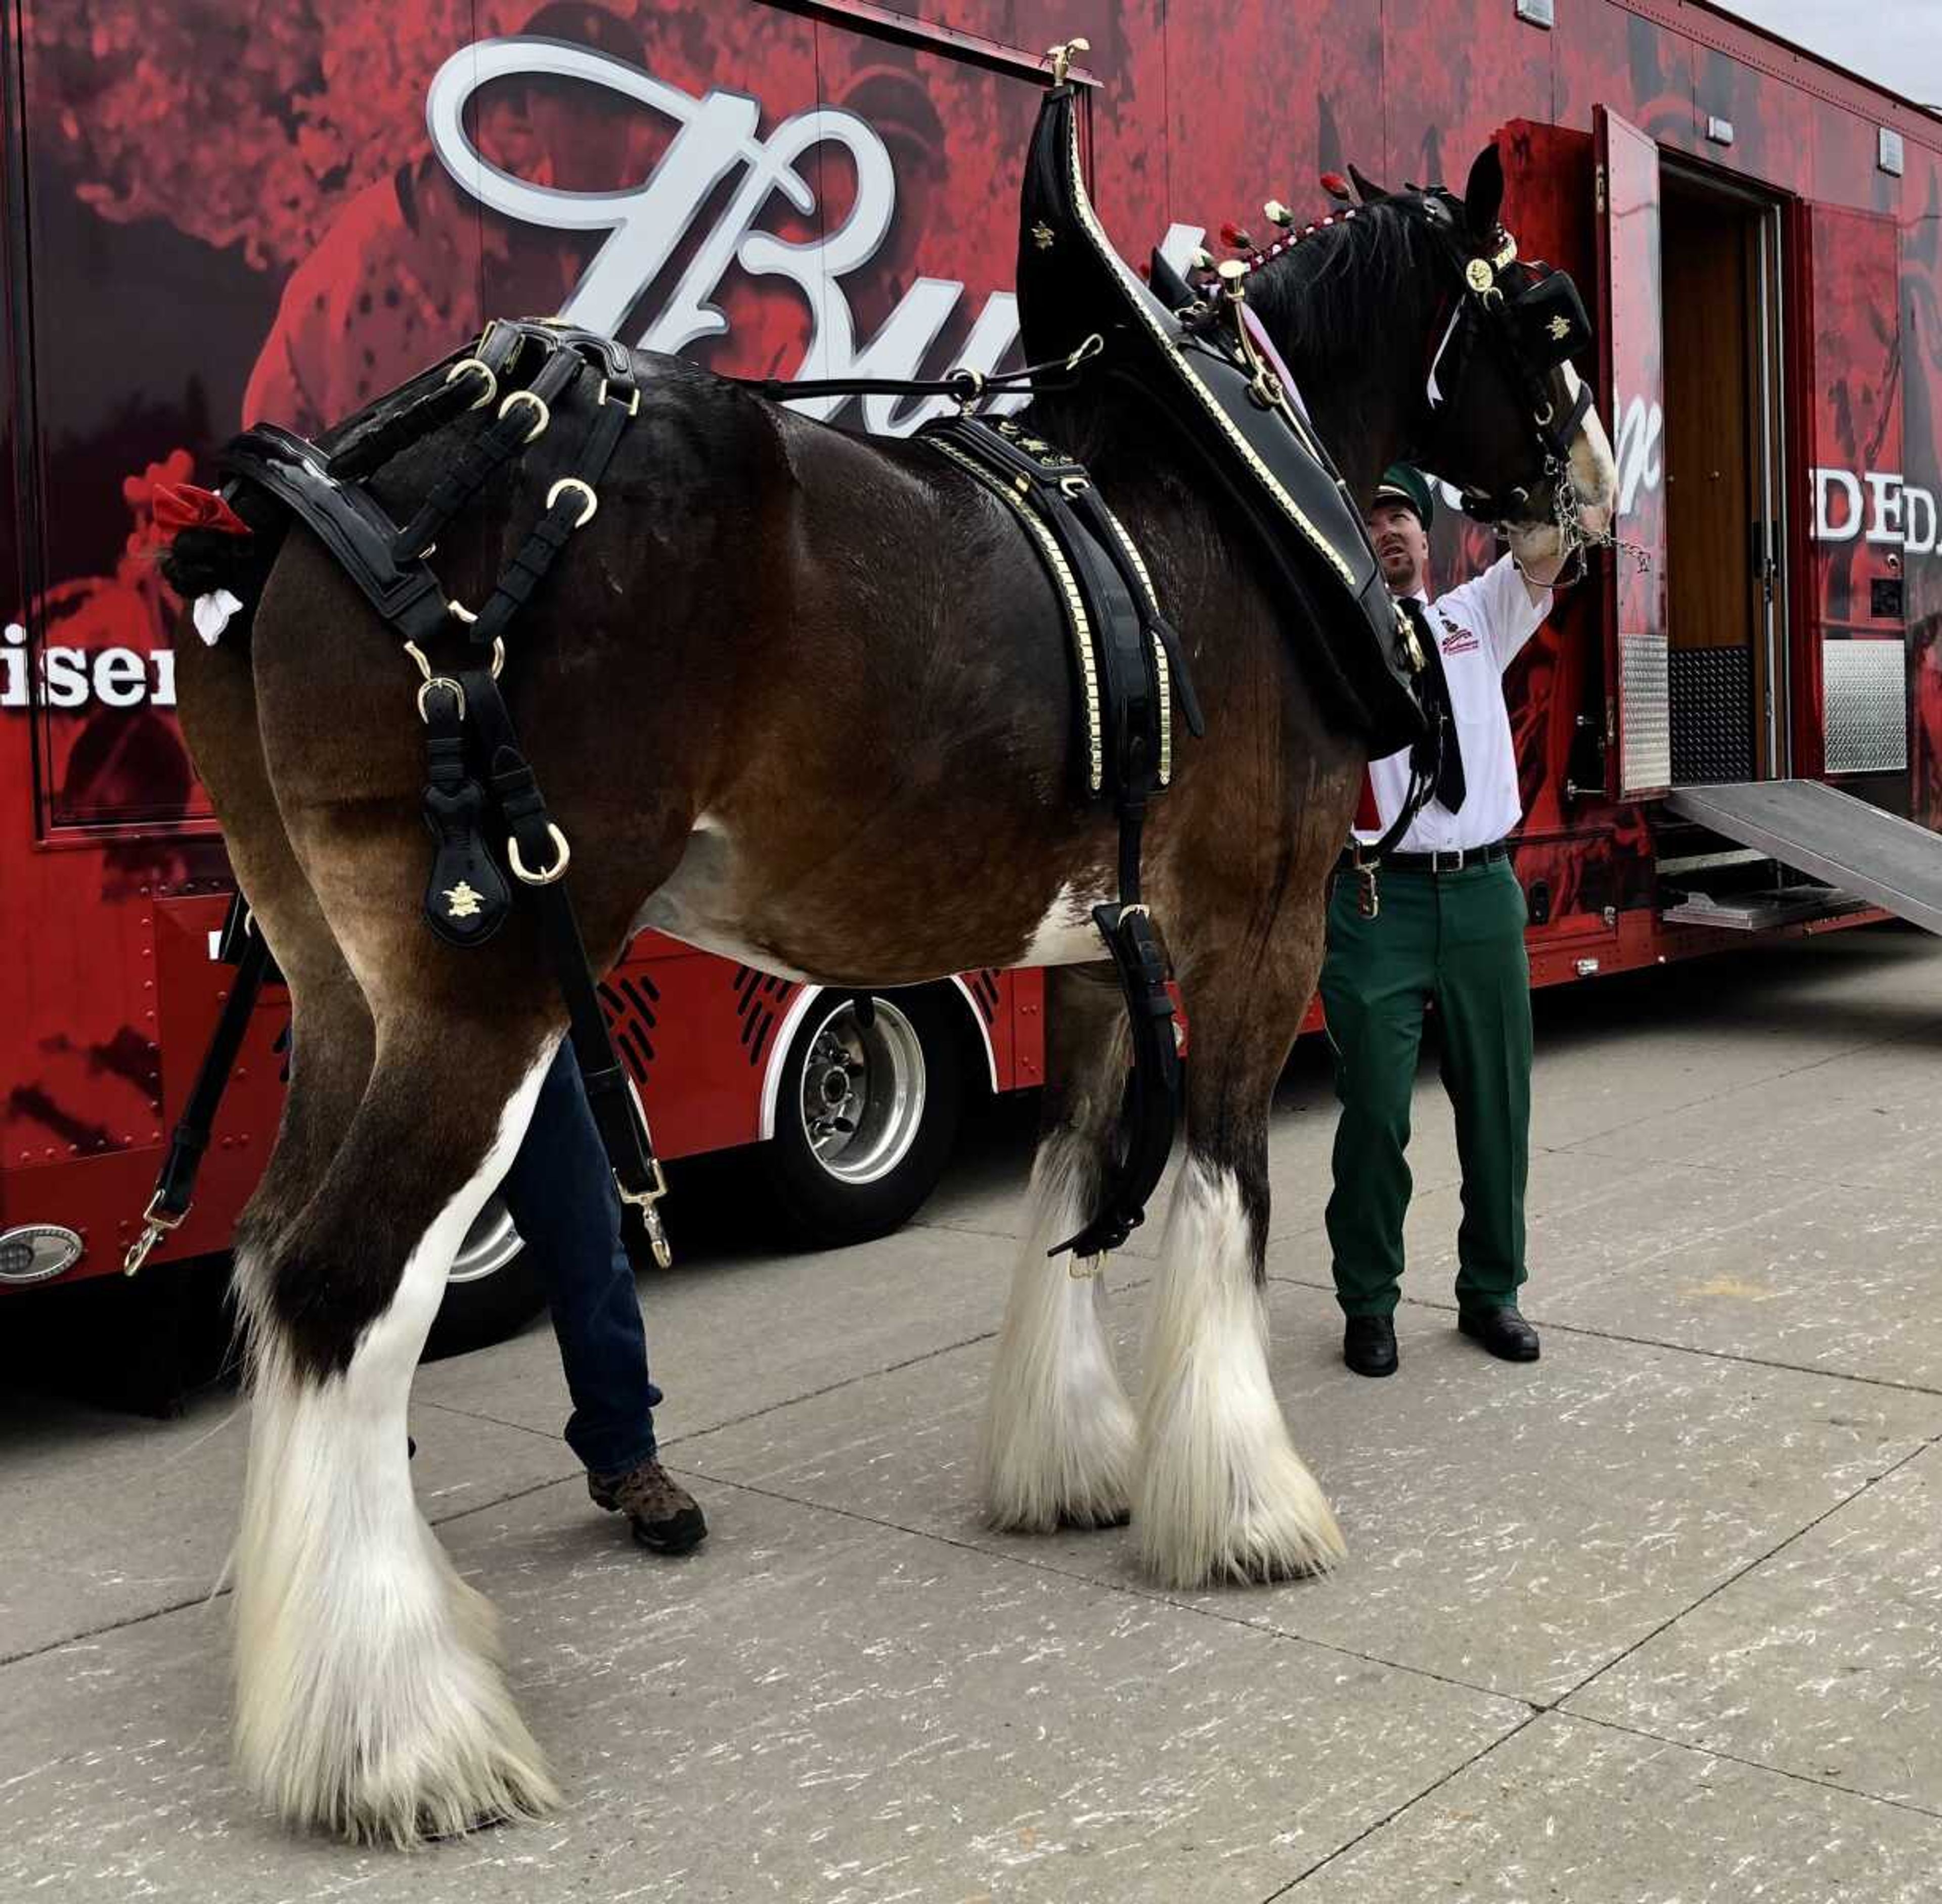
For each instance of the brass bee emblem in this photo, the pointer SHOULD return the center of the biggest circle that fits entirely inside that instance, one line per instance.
(462, 901)
(1041, 235)
(1560, 328)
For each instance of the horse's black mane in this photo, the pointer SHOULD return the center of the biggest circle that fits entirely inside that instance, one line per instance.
(1327, 289)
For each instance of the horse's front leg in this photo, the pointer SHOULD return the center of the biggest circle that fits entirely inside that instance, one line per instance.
(1222, 1493)
(1058, 1439)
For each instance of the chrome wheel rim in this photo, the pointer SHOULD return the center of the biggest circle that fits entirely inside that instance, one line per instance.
(862, 1098)
(489, 1245)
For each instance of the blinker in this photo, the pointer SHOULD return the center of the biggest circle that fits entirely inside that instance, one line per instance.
(1549, 319)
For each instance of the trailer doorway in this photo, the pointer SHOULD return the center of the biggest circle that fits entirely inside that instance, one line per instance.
(1725, 500)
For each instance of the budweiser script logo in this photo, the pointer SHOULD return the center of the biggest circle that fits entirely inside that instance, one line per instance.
(717, 140)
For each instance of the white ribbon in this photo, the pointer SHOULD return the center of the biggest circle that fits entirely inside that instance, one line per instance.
(212, 614)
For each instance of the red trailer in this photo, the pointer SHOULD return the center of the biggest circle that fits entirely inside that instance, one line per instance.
(215, 213)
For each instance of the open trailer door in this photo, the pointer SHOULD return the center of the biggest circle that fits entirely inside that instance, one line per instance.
(1638, 735)
(1853, 696)
(1851, 674)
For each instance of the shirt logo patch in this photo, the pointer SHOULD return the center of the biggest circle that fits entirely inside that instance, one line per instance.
(1459, 641)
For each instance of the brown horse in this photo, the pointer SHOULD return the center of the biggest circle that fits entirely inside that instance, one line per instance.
(803, 698)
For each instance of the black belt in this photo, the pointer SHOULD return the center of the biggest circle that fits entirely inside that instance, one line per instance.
(1453, 859)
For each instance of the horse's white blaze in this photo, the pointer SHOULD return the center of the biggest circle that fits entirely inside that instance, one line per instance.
(368, 1696)
(1066, 935)
(1059, 1433)
(1594, 471)
(1222, 1493)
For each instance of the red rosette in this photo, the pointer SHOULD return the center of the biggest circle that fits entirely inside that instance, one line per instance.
(179, 506)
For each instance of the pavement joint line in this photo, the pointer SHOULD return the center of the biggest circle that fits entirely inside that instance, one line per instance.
(1739, 1573)
(1656, 1342)
(1742, 1174)
(1755, 1765)
(1383, 1823)
(1745, 1084)
(867, 1375)
(221, 1589)
(1131, 1589)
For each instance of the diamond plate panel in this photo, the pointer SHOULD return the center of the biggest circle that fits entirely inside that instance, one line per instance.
(1866, 699)
(1712, 715)
(1645, 726)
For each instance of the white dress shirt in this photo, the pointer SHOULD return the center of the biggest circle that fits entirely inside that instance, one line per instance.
(1480, 626)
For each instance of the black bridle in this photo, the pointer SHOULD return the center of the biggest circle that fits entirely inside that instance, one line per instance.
(1529, 316)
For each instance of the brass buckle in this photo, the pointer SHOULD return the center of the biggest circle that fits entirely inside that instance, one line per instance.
(1084, 1269)
(157, 1222)
(585, 488)
(644, 1201)
(485, 370)
(539, 403)
(633, 398)
(439, 680)
(562, 851)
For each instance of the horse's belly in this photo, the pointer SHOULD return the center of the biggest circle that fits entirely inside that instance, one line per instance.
(706, 903)
(697, 904)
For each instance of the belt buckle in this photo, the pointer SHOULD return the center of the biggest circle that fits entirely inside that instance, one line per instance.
(1439, 854)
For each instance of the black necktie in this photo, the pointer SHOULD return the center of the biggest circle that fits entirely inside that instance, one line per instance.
(1437, 753)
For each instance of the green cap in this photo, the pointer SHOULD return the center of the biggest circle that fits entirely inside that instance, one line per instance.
(1402, 482)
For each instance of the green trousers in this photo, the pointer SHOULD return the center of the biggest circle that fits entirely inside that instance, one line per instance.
(1456, 939)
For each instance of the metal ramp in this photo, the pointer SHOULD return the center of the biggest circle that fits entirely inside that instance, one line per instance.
(1867, 856)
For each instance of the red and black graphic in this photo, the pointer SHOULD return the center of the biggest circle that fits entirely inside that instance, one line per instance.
(216, 214)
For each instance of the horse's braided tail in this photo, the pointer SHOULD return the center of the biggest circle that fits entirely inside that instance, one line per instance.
(202, 562)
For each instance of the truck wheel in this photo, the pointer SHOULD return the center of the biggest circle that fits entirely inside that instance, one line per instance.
(866, 1113)
(494, 1290)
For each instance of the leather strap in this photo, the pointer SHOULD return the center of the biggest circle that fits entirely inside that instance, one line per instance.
(175, 1182)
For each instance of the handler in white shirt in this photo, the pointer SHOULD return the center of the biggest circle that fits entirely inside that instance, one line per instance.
(1448, 926)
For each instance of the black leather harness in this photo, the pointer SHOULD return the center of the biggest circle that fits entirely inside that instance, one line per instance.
(1128, 666)
(475, 764)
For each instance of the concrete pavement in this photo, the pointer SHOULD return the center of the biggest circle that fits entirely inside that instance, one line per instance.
(1658, 1618)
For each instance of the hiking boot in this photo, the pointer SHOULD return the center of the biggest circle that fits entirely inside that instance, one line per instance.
(665, 1515)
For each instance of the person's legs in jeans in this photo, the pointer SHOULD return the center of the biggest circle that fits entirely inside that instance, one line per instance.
(560, 1193)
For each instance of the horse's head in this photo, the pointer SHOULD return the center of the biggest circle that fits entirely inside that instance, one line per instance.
(1505, 418)
(1418, 334)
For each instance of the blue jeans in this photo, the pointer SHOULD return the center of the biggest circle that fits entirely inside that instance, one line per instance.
(562, 1197)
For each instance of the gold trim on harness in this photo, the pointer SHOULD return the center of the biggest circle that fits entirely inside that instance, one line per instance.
(1161, 668)
(1079, 627)
(1083, 206)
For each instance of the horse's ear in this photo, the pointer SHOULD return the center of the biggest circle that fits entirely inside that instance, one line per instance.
(1366, 188)
(1483, 196)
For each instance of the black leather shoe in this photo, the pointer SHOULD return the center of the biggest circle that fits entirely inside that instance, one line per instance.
(1369, 1345)
(1503, 1332)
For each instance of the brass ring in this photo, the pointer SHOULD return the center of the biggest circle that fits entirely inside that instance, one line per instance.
(484, 369)
(585, 488)
(498, 654)
(563, 851)
(439, 680)
(418, 655)
(539, 403)
(1544, 416)
(459, 613)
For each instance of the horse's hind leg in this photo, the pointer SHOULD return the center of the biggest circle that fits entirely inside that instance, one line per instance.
(369, 1699)
(1058, 1436)
(1222, 1492)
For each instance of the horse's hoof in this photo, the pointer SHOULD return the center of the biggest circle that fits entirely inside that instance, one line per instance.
(1091, 1522)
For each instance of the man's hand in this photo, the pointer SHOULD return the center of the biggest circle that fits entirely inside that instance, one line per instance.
(1540, 554)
